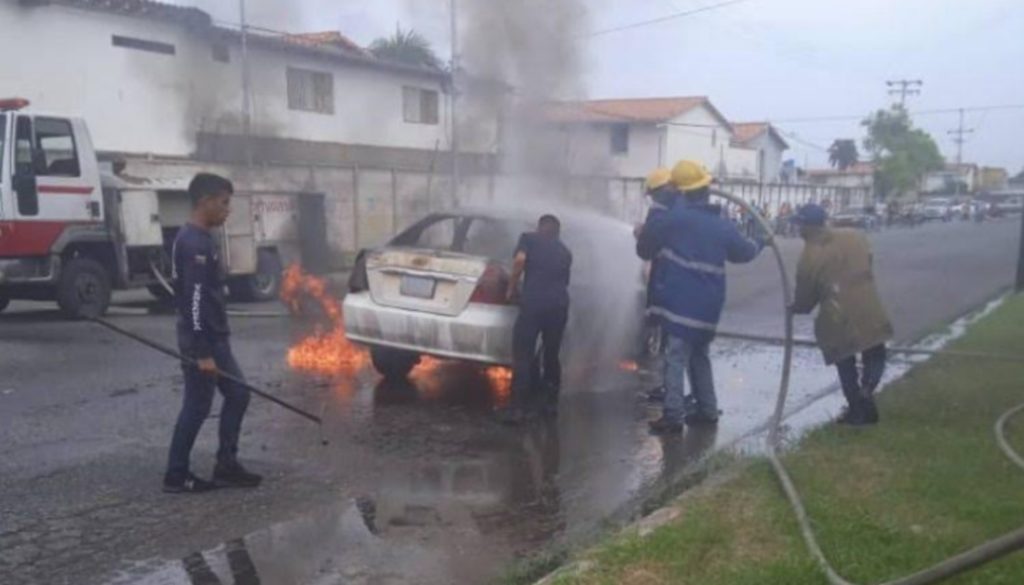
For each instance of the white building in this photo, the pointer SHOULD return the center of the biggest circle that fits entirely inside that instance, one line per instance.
(629, 137)
(860, 175)
(946, 181)
(159, 80)
(766, 140)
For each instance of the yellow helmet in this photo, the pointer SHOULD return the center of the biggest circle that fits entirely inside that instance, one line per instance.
(689, 175)
(659, 177)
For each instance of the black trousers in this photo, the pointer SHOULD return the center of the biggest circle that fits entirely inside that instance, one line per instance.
(858, 387)
(548, 324)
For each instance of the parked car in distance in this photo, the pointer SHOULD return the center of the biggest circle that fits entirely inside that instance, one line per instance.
(438, 289)
(937, 210)
(857, 218)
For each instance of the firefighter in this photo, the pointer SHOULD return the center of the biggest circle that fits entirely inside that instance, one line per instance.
(692, 242)
(664, 196)
(203, 335)
(835, 275)
(544, 263)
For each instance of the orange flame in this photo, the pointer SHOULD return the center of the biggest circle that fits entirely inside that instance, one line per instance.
(628, 366)
(323, 352)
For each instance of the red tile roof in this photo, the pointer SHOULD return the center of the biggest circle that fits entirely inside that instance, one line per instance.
(140, 8)
(329, 38)
(744, 132)
(642, 110)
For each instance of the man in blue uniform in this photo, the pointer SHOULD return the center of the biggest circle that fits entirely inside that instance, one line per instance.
(543, 312)
(692, 243)
(203, 335)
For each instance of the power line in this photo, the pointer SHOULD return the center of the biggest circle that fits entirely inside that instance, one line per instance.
(842, 118)
(666, 18)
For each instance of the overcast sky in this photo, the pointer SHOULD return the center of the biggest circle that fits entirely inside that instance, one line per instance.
(766, 59)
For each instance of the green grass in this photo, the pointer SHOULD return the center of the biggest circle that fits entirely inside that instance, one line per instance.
(927, 483)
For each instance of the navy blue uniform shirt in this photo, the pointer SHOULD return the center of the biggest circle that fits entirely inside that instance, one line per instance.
(548, 263)
(198, 292)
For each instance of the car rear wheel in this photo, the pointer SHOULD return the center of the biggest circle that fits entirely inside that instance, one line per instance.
(393, 363)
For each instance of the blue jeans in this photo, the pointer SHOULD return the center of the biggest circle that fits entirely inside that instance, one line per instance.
(683, 359)
(195, 408)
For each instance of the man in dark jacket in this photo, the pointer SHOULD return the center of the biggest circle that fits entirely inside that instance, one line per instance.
(835, 275)
(694, 242)
(543, 313)
(203, 335)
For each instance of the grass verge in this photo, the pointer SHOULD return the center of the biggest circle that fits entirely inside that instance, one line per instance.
(925, 484)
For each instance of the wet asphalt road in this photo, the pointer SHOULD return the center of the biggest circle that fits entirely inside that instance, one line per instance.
(417, 483)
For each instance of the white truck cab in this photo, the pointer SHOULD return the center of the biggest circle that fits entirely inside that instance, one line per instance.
(72, 234)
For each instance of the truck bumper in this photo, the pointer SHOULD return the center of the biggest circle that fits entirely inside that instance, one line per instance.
(30, 270)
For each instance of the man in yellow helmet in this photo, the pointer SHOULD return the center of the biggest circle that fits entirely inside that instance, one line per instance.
(692, 242)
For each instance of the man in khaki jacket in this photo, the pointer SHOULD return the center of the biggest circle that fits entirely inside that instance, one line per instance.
(835, 275)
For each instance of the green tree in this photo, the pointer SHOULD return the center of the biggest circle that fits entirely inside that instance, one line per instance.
(901, 153)
(843, 153)
(406, 46)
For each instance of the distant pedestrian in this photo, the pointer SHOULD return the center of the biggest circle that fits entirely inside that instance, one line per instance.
(544, 263)
(835, 274)
(203, 335)
(694, 242)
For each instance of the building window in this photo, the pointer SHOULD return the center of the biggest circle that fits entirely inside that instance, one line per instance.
(420, 106)
(221, 54)
(310, 91)
(620, 139)
(142, 45)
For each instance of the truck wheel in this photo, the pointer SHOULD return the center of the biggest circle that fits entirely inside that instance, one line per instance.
(83, 290)
(4, 301)
(265, 285)
(393, 363)
(159, 292)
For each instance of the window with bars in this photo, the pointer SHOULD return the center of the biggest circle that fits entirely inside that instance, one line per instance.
(310, 91)
(620, 139)
(420, 106)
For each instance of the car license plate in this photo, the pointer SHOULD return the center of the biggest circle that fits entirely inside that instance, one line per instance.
(418, 286)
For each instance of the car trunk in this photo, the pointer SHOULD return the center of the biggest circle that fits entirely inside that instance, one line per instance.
(425, 280)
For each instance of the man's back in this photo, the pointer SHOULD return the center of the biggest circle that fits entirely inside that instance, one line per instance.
(547, 270)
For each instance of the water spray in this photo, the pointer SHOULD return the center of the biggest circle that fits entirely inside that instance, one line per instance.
(187, 360)
(984, 553)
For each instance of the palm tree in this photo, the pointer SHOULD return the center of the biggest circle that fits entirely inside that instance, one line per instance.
(409, 47)
(843, 154)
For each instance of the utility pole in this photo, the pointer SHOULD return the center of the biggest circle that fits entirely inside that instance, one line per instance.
(959, 139)
(454, 102)
(246, 86)
(905, 87)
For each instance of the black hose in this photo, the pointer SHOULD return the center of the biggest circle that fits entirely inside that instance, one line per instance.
(170, 352)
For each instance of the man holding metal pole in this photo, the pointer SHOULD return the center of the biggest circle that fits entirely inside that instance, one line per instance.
(692, 243)
(203, 336)
(835, 275)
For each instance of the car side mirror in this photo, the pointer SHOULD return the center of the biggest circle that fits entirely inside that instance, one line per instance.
(27, 193)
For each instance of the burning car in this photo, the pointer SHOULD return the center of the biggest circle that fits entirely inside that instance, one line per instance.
(438, 289)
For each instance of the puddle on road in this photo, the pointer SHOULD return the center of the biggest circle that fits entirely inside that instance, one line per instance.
(460, 496)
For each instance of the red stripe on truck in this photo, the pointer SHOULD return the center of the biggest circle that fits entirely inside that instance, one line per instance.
(65, 190)
(29, 238)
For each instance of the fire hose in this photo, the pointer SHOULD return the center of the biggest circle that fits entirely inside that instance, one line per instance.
(979, 555)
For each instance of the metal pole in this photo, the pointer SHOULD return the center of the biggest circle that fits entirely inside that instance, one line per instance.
(246, 85)
(1020, 258)
(454, 109)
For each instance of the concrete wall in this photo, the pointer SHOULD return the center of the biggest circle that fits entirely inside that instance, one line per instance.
(772, 157)
(589, 150)
(134, 101)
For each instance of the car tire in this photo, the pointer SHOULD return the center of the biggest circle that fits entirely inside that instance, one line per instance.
(83, 290)
(4, 302)
(265, 285)
(393, 364)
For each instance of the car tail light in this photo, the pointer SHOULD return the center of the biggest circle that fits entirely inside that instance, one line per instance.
(357, 280)
(491, 287)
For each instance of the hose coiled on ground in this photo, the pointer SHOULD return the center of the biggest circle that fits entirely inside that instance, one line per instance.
(954, 565)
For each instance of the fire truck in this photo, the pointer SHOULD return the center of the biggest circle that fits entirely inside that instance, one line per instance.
(72, 233)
